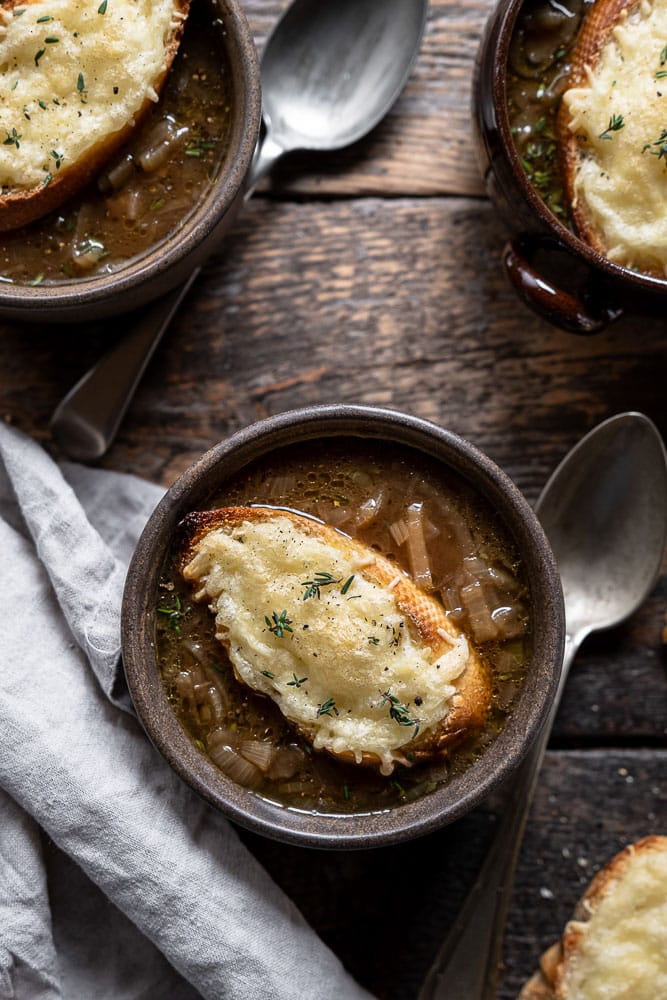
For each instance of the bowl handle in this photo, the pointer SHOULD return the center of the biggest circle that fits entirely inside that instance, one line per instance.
(583, 315)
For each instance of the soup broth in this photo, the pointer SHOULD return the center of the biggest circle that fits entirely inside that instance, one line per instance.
(544, 36)
(437, 529)
(149, 188)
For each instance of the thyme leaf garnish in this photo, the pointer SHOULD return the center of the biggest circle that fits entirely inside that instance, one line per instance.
(267, 673)
(38, 56)
(327, 708)
(199, 147)
(173, 615)
(12, 139)
(278, 623)
(313, 586)
(297, 682)
(616, 123)
(102, 9)
(374, 641)
(659, 147)
(399, 712)
(346, 586)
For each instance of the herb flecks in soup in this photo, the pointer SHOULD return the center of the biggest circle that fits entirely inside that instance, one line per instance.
(441, 542)
(150, 187)
(361, 661)
(538, 69)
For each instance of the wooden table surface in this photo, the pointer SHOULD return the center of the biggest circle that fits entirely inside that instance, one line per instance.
(373, 276)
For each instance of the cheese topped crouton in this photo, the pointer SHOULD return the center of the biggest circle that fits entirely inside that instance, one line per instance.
(365, 664)
(75, 78)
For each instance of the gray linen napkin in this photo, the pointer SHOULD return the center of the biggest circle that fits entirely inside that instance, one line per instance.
(116, 881)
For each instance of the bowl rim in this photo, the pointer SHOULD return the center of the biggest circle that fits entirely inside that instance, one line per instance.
(507, 15)
(360, 830)
(168, 254)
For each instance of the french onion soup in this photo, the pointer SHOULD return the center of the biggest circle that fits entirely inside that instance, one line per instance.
(586, 92)
(149, 186)
(345, 628)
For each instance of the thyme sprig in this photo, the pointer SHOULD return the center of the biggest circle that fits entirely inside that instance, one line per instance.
(173, 615)
(616, 123)
(297, 682)
(399, 712)
(327, 708)
(659, 147)
(313, 586)
(12, 139)
(279, 624)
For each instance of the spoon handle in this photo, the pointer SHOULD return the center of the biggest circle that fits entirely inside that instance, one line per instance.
(267, 154)
(467, 965)
(86, 420)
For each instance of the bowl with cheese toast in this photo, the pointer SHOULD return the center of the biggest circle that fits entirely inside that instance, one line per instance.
(342, 626)
(128, 131)
(568, 105)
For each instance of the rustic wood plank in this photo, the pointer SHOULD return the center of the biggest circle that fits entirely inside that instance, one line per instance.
(400, 303)
(425, 144)
(386, 911)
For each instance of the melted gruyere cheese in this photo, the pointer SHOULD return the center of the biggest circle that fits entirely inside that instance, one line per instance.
(623, 949)
(348, 667)
(73, 72)
(621, 112)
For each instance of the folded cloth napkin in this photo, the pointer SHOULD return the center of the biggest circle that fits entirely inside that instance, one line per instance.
(116, 880)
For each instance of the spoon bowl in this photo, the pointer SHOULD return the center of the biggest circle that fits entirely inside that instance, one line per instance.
(603, 510)
(330, 73)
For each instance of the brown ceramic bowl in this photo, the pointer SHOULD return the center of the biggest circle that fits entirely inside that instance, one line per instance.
(557, 274)
(172, 261)
(194, 490)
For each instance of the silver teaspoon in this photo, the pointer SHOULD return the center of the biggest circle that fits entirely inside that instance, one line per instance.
(330, 72)
(604, 511)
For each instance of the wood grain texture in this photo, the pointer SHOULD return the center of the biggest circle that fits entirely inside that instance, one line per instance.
(374, 276)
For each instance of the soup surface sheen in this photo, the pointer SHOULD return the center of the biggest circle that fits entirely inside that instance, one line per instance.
(544, 37)
(150, 188)
(436, 528)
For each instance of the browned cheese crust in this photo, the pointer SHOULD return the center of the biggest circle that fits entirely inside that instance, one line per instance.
(423, 614)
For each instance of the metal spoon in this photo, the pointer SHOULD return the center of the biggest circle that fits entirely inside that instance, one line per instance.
(330, 73)
(604, 511)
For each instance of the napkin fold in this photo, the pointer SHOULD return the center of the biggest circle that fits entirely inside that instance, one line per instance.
(116, 880)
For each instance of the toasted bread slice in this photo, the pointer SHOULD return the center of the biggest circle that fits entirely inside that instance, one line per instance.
(365, 664)
(75, 80)
(615, 947)
(611, 133)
